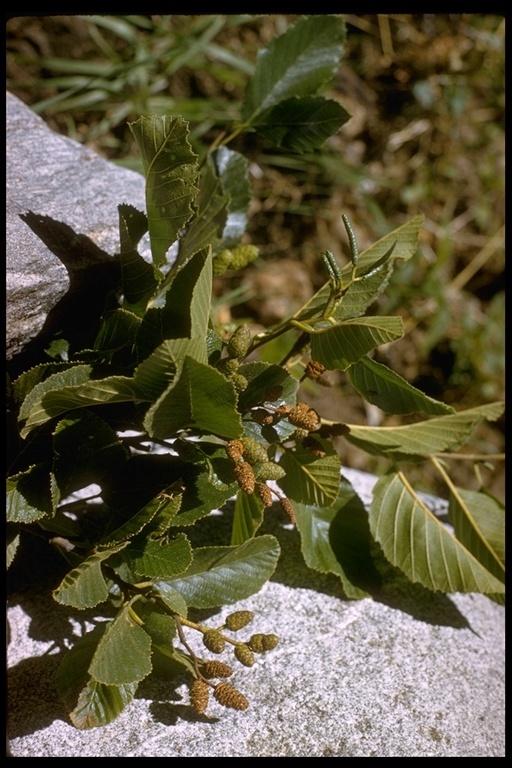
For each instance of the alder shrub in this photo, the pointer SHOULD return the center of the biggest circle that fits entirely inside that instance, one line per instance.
(168, 417)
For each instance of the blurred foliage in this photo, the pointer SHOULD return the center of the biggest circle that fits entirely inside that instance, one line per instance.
(426, 95)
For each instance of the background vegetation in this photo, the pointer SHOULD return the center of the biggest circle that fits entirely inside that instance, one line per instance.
(426, 95)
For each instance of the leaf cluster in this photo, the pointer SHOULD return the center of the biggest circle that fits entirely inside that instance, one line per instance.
(166, 417)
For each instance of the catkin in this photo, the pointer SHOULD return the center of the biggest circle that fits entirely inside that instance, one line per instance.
(230, 697)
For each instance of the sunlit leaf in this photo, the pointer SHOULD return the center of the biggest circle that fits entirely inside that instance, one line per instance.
(359, 296)
(158, 559)
(85, 586)
(384, 388)
(12, 541)
(170, 167)
(233, 170)
(297, 63)
(341, 345)
(123, 654)
(441, 433)
(201, 398)
(90, 703)
(310, 479)
(479, 523)
(301, 124)
(224, 575)
(247, 517)
(29, 496)
(417, 543)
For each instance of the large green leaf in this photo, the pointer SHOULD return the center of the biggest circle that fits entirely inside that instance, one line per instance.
(442, 433)
(32, 410)
(337, 540)
(341, 345)
(359, 296)
(99, 704)
(90, 703)
(29, 495)
(297, 63)
(233, 170)
(301, 124)
(123, 654)
(207, 226)
(28, 380)
(386, 389)
(186, 312)
(417, 543)
(310, 479)
(85, 586)
(247, 517)
(479, 523)
(158, 559)
(156, 372)
(201, 398)
(224, 575)
(170, 167)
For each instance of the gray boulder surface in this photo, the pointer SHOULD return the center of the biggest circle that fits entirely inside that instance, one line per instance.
(68, 195)
(409, 673)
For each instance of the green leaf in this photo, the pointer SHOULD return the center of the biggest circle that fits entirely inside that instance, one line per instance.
(29, 495)
(165, 504)
(362, 293)
(479, 523)
(28, 380)
(208, 480)
(206, 228)
(301, 124)
(297, 63)
(341, 345)
(171, 598)
(123, 654)
(386, 389)
(247, 518)
(262, 377)
(138, 278)
(158, 559)
(85, 586)
(201, 398)
(224, 575)
(233, 170)
(90, 703)
(156, 372)
(33, 412)
(170, 167)
(309, 479)
(99, 704)
(186, 312)
(160, 626)
(417, 543)
(13, 542)
(442, 433)
(337, 540)
(116, 337)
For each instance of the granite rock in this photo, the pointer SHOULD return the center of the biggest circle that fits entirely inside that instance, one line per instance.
(71, 194)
